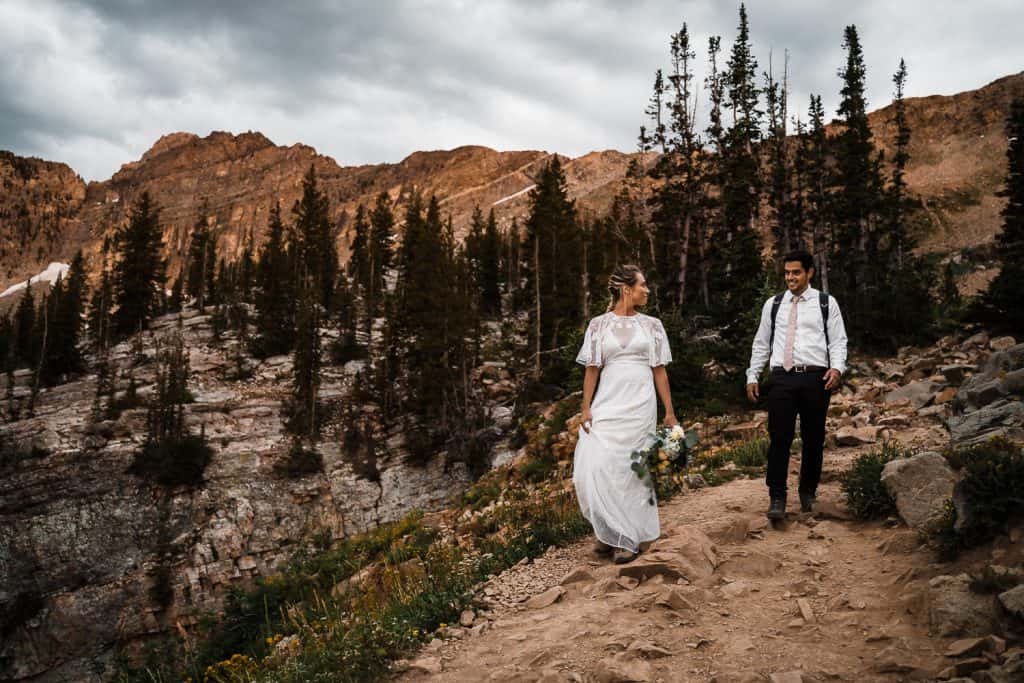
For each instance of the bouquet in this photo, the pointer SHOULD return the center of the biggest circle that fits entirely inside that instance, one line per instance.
(661, 465)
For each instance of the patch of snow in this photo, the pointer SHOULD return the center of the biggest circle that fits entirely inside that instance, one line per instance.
(52, 272)
(513, 196)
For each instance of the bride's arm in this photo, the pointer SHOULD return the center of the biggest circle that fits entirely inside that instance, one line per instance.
(661, 384)
(590, 376)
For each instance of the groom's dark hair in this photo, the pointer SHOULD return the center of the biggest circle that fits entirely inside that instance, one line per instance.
(801, 255)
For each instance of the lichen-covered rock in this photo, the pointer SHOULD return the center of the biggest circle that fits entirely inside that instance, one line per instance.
(920, 484)
(955, 610)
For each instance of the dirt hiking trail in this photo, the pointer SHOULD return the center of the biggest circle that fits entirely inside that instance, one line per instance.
(722, 596)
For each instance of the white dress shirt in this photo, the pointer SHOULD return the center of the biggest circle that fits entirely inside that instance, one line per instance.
(809, 346)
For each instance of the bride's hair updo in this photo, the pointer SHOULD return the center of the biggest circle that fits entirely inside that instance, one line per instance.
(622, 276)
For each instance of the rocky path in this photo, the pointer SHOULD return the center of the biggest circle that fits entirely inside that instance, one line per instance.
(721, 596)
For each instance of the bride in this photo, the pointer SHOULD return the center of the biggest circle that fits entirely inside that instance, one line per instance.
(627, 351)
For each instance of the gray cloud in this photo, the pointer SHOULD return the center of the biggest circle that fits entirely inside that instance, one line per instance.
(95, 83)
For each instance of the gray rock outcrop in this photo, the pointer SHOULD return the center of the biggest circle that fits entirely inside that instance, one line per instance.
(920, 484)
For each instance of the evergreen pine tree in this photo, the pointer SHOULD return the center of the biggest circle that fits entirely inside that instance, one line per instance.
(677, 201)
(275, 305)
(24, 326)
(247, 269)
(210, 273)
(1004, 294)
(382, 234)
(489, 268)
(171, 455)
(100, 320)
(198, 256)
(738, 268)
(898, 187)
(314, 238)
(303, 418)
(138, 276)
(6, 339)
(858, 193)
(359, 262)
(67, 306)
(709, 249)
(553, 273)
(813, 162)
(787, 229)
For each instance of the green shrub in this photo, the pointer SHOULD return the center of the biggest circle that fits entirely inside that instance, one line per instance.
(538, 469)
(866, 495)
(482, 493)
(714, 407)
(173, 462)
(991, 488)
(941, 534)
(300, 462)
(751, 453)
(11, 454)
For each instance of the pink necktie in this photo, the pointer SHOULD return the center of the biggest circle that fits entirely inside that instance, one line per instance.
(787, 355)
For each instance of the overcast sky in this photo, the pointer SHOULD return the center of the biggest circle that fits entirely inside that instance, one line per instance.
(95, 83)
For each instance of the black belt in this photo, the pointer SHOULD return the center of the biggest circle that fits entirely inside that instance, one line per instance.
(798, 368)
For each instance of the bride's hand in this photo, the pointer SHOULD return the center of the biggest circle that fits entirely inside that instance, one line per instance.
(586, 420)
(671, 421)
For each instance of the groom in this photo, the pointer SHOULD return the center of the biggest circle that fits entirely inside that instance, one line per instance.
(802, 338)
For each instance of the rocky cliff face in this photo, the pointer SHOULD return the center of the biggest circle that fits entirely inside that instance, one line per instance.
(39, 206)
(82, 543)
(241, 177)
(957, 161)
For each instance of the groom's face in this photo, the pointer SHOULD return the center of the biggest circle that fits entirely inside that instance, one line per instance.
(797, 277)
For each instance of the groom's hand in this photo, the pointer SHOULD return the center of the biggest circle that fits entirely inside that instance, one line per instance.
(831, 379)
(753, 392)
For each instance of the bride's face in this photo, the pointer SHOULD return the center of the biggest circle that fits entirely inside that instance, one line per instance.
(638, 293)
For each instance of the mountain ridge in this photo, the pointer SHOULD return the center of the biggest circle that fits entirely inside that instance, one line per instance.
(48, 211)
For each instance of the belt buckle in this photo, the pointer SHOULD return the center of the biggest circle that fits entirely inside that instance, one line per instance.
(800, 368)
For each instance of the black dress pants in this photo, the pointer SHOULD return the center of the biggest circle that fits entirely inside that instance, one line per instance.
(791, 394)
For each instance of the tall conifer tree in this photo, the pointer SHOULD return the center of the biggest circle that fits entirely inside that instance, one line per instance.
(138, 276)
(275, 301)
(552, 245)
(1004, 294)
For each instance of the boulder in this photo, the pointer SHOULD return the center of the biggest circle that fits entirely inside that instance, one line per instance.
(955, 373)
(982, 390)
(686, 554)
(1002, 343)
(955, 610)
(972, 647)
(547, 598)
(1013, 601)
(577, 575)
(894, 421)
(856, 436)
(920, 484)
(991, 420)
(918, 394)
(978, 340)
(1013, 382)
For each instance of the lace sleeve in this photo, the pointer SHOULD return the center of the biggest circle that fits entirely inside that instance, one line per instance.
(661, 354)
(590, 352)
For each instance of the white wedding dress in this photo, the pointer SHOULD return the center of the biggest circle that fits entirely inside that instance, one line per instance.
(625, 413)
